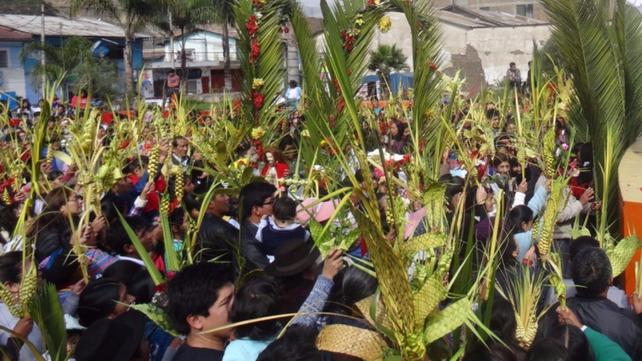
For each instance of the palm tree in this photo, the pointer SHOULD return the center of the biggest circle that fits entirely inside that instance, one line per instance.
(386, 59)
(186, 16)
(224, 14)
(61, 60)
(131, 15)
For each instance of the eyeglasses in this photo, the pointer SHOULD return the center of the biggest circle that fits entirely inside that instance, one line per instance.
(269, 203)
(75, 199)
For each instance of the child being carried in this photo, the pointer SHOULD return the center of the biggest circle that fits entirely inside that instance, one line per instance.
(280, 227)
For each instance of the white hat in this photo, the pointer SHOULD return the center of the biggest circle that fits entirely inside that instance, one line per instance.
(71, 323)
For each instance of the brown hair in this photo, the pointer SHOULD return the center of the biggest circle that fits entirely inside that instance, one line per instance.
(276, 153)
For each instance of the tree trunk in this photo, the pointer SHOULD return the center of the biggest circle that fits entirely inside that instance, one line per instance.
(183, 86)
(129, 65)
(226, 57)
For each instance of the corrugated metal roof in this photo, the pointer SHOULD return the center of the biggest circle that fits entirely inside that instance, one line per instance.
(10, 34)
(492, 17)
(460, 20)
(59, 26)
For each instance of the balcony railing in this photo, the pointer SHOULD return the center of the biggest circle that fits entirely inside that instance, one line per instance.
(191, 56)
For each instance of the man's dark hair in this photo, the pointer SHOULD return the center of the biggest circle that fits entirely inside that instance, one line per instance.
(117, 236)
(254, 195)
(296, 344)
(193, 291)
(284, 209)
(512, 63)
(579, 244)
(258, 297)
(591, 269)
(176, 139)
(171, 71)
(547, 349)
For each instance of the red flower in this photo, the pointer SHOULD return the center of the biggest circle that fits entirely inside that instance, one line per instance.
(251, 25)
(383, 127)
(349, 71)
(433, 66)
(342, 104)
(344, 34)
(256, 50)
(286, 30)
(161, 287)
(257, 99)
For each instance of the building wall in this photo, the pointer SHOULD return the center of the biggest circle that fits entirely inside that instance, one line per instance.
(205, 46)
(490, 50)
(507, 6)
(13, 76)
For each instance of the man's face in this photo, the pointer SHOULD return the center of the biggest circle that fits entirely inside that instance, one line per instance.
(146, 238)
(267, 208)
(181, 148)
(513, 67)
(221, 203)
(219, 313)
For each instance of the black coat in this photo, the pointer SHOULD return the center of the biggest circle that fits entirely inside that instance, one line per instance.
(251, 248)
(620, 325)
(217, 240)
(51, 238)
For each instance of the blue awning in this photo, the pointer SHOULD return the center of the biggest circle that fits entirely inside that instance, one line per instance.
(407, 80)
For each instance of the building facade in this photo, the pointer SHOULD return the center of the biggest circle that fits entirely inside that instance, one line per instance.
(17, 30)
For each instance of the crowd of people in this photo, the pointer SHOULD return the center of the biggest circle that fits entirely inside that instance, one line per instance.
(296, 292)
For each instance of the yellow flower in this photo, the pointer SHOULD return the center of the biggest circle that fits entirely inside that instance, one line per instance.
(376, 2)
(359, 20)
(257, 133)
(384, 24)
(257, 83)
(305, 133)
(323, 143)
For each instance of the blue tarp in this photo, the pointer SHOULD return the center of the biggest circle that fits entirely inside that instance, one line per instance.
(407, 80)
(10, 98)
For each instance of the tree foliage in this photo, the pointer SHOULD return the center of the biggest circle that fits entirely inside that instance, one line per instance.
(386, 59)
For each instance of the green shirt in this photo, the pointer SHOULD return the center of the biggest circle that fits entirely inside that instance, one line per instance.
(604, 348)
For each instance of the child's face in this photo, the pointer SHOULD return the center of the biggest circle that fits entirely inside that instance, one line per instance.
(489, 202)
(527, 226)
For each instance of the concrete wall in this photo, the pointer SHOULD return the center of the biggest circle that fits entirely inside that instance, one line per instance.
(490, 50)
(13, 76)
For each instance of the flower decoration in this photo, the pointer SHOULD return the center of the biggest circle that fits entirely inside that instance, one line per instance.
(384, 24)
(358, 20)
(259, 3)
(372, 3)
(257, 98)
(257, 133)
(255, 51)
(252, 26)
(349, 37)
(257, 83)
(286, 30)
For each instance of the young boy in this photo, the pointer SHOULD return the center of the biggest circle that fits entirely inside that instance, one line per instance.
(200, 299)
(280, 228)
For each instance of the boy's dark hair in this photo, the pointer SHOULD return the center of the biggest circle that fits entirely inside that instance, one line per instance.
(117, 236)
(591, 269)
(258, 297)
(11, 267)
(579, 244)
(176, 139)
(284, 209)
(193, 291)
(254, 195)
(296, 344)
(494, 351)
(512, 63)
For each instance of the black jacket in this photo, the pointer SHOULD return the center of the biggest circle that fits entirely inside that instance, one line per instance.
(620, 325)
(217, 240)
(52, 238)
(251, 248)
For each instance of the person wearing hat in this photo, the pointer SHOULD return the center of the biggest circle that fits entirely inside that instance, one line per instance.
(118, 339)
(294, 268)
(293, 94)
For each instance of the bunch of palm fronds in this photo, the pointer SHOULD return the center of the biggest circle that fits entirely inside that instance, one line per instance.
(601, 42)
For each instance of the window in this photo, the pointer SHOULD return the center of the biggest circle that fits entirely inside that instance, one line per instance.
(4, 58)
(485, 8)
(524, 10)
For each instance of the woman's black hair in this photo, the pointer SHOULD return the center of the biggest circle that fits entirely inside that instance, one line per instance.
(176, 218)
(122, 271)
(502, 321)
(494, 351)
(515, 218)
(547, 349)
(98, 300)
(8, 220)
(508, 246)
(574, 340)
(109, 206)
(455, 186)
(258, 297)
(11, 267)
(142, 287)
(358, 285)
(296, 344)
